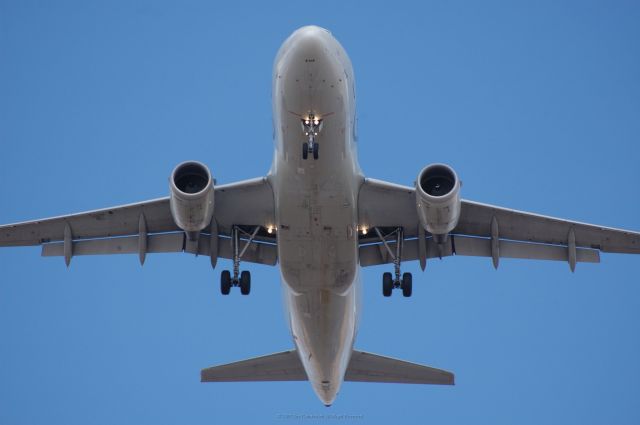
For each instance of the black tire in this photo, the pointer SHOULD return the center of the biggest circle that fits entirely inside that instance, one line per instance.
(305, 151)
(387, 284)
(407, 284)
(225, 282)
(245, 283)
(316, 148)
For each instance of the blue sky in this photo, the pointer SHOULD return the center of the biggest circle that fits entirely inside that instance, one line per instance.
(535, 104)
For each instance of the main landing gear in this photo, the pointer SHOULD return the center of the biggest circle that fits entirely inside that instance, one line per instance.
(243, 280)
(226, 282)
(311, 126)
(389, 281)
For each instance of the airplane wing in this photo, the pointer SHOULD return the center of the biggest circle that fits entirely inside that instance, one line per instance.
(482, 230)
(148, 227)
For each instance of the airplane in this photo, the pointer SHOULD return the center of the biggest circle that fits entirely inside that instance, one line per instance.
(320, 219)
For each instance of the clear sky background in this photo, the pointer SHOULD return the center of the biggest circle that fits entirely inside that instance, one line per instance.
(535, 104)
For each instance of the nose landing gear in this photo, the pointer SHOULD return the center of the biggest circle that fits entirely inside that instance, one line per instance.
(311, 127)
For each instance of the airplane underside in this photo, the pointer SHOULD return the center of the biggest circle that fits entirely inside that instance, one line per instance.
(318, 217)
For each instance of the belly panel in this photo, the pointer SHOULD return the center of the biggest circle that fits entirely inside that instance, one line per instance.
(324, 326)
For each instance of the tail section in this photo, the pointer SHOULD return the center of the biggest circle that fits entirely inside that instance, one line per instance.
(368, 367)
(363, 367)
(283, 366)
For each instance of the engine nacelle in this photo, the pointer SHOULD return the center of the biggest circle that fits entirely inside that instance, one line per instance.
(191, 188)
(438, 199)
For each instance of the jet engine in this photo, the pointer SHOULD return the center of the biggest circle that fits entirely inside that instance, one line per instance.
(438, 199)
(191, 200)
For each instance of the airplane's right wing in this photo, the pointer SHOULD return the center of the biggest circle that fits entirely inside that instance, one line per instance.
(148, 227)
(482, 230)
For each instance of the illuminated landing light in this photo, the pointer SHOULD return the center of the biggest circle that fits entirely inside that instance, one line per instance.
(364, 230)
(270, 229)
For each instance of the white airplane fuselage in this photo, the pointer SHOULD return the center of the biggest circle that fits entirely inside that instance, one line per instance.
(316, 203)
(316, 197)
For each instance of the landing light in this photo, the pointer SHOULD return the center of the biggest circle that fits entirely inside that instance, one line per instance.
(364, 230)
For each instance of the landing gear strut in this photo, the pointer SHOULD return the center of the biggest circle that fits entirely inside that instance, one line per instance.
(389, 282)
(311, 126)
(243, 280)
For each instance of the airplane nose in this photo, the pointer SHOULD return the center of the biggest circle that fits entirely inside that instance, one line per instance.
(311, 31)
(310, 43)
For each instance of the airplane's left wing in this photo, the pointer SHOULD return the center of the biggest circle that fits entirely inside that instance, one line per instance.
(149, 227)
(482, 230)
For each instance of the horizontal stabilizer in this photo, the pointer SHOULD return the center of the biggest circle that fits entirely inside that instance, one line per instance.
(363, 367)
(368, 367)
(284, 366)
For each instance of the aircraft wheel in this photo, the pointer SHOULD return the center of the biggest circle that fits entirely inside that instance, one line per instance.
(315, 150)
(387, 284)
(225, 282)
(245, 282)
(305, 151)
(407, 284)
